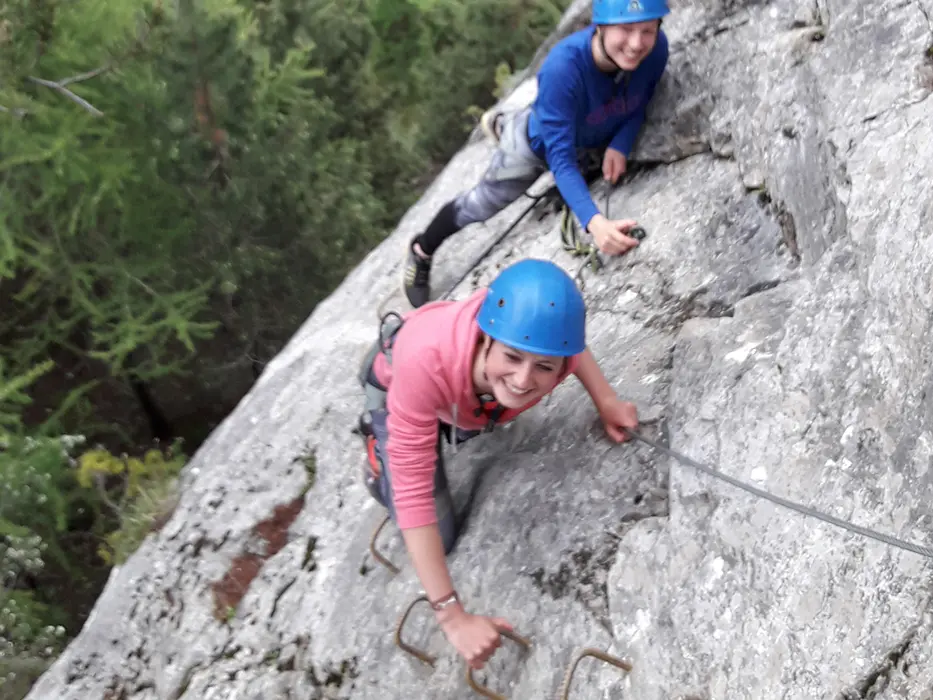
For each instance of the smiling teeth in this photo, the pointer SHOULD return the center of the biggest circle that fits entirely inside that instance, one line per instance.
(517, 392)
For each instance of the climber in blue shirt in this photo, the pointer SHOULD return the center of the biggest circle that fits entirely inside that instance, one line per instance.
(593, 90)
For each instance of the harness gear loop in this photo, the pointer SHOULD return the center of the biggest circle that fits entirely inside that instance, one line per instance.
(386, 340)
(483, 690)
(595, 653)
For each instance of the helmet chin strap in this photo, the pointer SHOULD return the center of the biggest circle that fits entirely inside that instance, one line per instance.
(487, 342)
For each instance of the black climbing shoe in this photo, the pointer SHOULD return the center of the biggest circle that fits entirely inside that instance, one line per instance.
(416, 278)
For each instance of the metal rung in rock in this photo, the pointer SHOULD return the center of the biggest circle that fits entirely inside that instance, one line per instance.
(517, 638)
(424, 657)
(601, 655)
(376, 555)
(407, 648)
(483, 690)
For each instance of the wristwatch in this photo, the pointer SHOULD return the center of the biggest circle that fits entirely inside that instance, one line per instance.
(445, 602)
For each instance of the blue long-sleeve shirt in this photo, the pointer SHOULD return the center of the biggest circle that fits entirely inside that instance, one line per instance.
(579, 106)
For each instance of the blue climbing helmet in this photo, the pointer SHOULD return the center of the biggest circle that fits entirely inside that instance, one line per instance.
(534, 306)
(628, 11)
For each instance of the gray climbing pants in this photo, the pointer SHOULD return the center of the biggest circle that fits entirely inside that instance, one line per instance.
(514, 168)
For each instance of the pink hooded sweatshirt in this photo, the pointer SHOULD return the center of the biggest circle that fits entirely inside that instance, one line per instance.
(431, 373)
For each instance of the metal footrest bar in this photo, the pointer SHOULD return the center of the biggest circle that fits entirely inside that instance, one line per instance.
(596, 653)
(426, 658)
(407, 648)
(376, 555)
(483, 690)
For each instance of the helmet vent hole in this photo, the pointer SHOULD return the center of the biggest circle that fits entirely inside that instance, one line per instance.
(501, 303)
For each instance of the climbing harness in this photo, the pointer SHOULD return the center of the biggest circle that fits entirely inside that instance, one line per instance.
(524, 642)
(375, 396)
(805, 510)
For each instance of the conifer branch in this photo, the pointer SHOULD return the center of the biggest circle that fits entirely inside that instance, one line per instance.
(58, 87)
(86, 76)
(142, 284)
(18, 113)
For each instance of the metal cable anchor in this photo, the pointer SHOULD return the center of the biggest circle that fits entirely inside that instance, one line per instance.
(596, 653)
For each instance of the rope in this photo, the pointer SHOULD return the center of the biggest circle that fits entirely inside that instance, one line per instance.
(570, 237)
(569, 232)
(805, 510)
(570, 240)
(485, 254)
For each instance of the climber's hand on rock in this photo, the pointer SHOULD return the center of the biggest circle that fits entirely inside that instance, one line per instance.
(611, 236)
(618, 415)
(475, 637)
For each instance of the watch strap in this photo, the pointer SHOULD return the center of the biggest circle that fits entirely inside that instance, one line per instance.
(445, 602)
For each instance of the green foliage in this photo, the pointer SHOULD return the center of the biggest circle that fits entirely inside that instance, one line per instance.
(46, 499)
(180, 184)
(35, 482)
(137, 491)
(35, 477)
(28, 643)
(168, 170)
(13, 396)
(425, 44)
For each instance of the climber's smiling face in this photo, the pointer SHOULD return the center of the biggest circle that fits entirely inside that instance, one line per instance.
(517, 378)
(629, 44)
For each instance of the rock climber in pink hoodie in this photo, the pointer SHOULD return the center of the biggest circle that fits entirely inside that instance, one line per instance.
(459, 368)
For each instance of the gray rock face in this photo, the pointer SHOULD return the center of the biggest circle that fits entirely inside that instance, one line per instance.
(776, 323)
